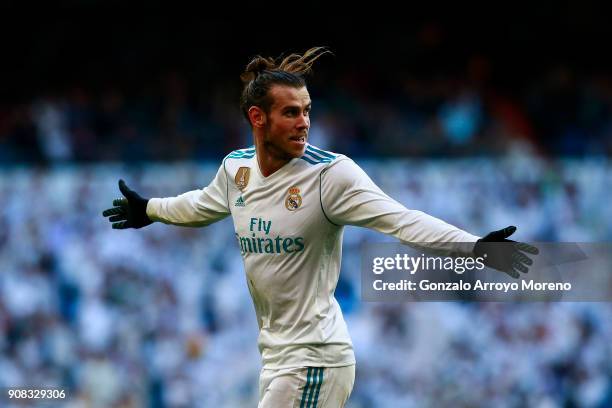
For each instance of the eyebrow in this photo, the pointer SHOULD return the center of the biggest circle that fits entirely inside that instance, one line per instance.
(286, 108)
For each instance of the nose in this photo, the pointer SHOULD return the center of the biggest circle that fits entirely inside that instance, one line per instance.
(303, 122)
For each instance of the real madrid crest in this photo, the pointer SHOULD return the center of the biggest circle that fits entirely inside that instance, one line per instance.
(294, 200)
(242, 177)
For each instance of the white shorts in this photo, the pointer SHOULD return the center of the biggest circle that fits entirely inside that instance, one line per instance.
(306, 387)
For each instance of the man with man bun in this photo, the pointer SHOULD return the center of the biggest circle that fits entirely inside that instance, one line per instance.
(289, 202)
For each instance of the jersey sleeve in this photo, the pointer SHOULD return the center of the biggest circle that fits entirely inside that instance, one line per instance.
(350, 197)
(195, 208)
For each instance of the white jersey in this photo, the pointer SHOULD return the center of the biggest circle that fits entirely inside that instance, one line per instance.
(289, 228)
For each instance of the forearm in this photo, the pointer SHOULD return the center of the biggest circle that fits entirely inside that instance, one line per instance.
(416, 226)
(349, 197)
(417, 229)
(188, 209)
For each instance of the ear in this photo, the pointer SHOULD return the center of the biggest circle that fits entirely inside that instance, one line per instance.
(257, 117)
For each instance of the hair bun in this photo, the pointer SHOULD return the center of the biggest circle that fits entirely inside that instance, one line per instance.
(256, 67)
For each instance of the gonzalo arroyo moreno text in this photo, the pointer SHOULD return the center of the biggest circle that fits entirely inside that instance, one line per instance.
(459, 265)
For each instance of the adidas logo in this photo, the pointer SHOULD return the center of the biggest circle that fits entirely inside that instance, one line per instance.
(240, 202)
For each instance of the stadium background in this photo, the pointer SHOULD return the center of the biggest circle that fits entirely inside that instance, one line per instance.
(483, 122)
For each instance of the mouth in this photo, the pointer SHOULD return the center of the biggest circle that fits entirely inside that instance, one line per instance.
(300, 140)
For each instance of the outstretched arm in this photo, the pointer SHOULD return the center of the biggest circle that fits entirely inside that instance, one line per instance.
(195, 208)
(350, 197)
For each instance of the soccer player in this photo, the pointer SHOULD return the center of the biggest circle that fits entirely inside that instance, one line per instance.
(289, 202)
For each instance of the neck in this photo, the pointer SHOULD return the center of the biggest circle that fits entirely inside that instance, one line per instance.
(269, 158)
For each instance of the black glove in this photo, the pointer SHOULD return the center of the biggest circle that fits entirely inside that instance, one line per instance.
(128, 212)
(503, 254)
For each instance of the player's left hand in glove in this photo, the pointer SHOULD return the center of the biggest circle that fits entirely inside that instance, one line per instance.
(504, 254)
(130, 211)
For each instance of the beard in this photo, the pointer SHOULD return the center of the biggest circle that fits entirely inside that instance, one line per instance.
(281, 148)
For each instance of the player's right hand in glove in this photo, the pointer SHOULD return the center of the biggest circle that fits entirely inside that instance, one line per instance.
(504, 254)
(130, 211)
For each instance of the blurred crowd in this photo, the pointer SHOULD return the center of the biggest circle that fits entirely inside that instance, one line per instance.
(481, 122)
(560, 112)
(161, 317)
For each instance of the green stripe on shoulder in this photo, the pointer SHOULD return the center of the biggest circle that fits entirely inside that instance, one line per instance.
(314, 155)
(242, 153)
